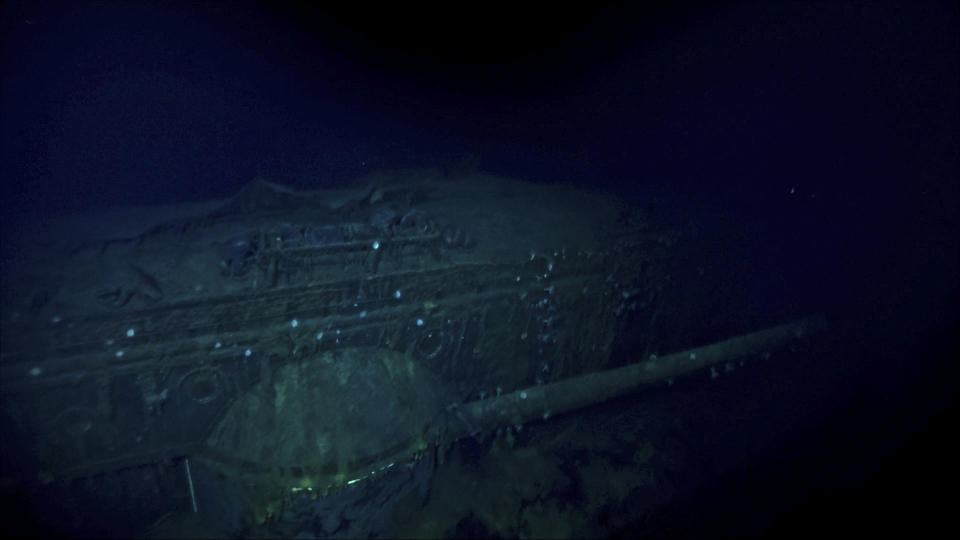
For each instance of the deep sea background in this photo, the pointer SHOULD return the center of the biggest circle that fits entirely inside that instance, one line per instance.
(830, 129)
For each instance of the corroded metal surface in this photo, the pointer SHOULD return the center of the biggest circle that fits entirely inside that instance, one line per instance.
(320, 320)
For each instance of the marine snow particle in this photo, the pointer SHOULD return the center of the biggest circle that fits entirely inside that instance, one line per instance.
(419, 322)
(130, 333)
(119, 354)
(397, 294)
(294, 323)
(376, 244)
(247, 352)
(523, 395)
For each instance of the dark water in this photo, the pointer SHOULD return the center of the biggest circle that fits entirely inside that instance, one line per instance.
(829, 132)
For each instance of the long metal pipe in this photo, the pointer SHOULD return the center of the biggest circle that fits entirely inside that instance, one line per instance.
(542, 401)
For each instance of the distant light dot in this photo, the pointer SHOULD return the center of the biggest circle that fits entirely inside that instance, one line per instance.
(130, 332)
(247, 352)
(693, 356)
(319, 336)
(294, 323)
(523, 395)
(36, 372)
(55, 319)
(419, 322)
(119, 354)
(376, 244)
(397, 293)
(363, 314)
(217, 345)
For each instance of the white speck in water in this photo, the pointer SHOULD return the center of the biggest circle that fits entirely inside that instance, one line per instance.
(119, 354)
(247, 352)
(35, 371)
(419, 322)
(55, 319)
(319, 336)
(217, 345)
(397, 293)
(363, 314)
(693, 356)
(130, 333)
(376, 244)
(294, 323)
(523, 395)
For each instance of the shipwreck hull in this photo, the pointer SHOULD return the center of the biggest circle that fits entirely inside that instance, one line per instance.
(293, 344)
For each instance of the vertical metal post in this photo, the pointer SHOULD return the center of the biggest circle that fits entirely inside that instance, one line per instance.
(193, 497)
